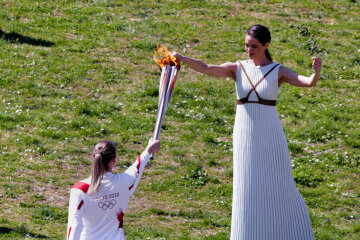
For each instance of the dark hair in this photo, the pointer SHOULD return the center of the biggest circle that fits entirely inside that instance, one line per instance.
(262, 34)
(102, 154)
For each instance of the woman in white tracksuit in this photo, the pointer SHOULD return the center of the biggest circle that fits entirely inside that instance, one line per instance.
(98, 203)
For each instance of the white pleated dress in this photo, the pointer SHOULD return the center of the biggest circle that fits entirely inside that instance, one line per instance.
(266, 202)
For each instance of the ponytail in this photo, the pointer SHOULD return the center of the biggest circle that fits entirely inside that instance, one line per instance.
(97, 173)
(267, 54)
(103, 153)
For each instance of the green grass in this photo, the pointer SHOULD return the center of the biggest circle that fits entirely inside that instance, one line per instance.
(75, 72)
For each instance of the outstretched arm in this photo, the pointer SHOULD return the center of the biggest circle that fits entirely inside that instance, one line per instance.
(135, 171)
(289, 76)
(223, 70)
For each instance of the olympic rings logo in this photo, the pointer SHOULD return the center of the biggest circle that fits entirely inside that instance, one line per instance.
(107, 204)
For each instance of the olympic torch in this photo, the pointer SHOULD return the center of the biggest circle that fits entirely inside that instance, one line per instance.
(169, 67)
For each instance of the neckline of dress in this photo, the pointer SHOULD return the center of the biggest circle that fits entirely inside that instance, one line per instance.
(250, 65)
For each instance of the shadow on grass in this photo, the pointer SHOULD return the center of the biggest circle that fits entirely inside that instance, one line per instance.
(18, 38)
(20, 232)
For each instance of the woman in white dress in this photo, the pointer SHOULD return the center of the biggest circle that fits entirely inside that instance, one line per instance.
(266, 203)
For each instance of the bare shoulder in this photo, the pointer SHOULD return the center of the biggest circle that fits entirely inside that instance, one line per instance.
(283, 69)
(229, 65)
(285, 72)
(232, 67)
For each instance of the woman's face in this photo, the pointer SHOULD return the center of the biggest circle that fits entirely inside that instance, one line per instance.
(254, 48)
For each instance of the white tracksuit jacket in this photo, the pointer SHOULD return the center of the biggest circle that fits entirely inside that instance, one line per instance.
(100, 216)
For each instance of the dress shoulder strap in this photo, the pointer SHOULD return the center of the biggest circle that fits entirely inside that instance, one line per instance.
(237, 69)
(260, 100)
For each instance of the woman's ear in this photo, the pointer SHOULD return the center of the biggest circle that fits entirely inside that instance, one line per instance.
(112, 163)
(266, 45)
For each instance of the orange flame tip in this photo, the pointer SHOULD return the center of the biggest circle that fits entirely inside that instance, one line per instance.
(167, 58)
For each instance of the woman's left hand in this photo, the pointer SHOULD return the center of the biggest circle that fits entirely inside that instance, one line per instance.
(289, 76)
(316, 64)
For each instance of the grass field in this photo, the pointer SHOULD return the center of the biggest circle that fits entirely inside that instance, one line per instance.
(75, 72)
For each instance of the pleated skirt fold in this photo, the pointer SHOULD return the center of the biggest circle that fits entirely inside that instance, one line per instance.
(266, 202)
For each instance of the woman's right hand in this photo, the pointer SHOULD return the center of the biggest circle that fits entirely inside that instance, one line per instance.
(153, 146)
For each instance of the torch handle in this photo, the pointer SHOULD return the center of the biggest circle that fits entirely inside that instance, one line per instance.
(166, 99)
(159, 120)
(167, 89)
(166, 74)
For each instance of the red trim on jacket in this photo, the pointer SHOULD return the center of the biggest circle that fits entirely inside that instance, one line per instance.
(138, 170)
(69, 232)
(120, 218)
(82, 186)
(80, 205)
(138, 166)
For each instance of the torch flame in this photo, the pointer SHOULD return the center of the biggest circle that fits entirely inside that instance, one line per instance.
(167, 58)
